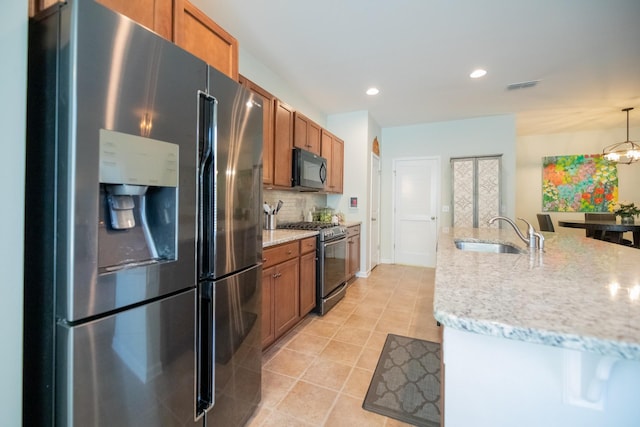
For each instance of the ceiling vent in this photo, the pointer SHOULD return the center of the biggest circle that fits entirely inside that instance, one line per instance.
(522, 85)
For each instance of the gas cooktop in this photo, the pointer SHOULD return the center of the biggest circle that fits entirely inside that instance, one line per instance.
(327, 231)
(302, 225)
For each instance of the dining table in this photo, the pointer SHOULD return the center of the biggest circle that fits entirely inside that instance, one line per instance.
(604, 225)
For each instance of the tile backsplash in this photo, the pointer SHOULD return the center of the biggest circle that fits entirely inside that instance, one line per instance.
(295, 205)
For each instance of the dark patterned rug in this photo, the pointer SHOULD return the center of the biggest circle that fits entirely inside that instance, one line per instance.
(406, 382)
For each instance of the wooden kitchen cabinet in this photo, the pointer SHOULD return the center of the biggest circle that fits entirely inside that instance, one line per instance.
(268, 327)
(337, 166)
(286, 296)
(178, 21)
(353, 249)
(157, 15)
(282, 144)
(306, 133)
(197, 33)
(280, 290)
(332, 149)
(36, 6)
(308, 262)
(268, 118)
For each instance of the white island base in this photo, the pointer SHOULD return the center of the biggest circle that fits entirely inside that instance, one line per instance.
(497, 382)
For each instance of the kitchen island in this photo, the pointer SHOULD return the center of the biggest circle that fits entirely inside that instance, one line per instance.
(539, 338)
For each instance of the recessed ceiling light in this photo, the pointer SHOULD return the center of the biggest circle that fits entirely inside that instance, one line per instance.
(372, 91)
(476, 74)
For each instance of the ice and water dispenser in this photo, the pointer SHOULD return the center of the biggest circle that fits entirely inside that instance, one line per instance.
(138, 221)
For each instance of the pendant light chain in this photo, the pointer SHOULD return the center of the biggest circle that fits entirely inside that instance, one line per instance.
(626, 152)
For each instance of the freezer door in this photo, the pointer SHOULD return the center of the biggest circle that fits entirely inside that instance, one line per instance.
(237, 211)
(135, 368)
(238, 348)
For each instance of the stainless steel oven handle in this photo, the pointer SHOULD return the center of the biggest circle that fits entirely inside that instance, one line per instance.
(335, 292)
(334, 242)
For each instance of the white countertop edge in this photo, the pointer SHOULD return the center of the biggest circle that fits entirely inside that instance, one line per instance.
(619, 349)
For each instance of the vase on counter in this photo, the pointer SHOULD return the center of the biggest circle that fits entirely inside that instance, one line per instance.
(626, 219)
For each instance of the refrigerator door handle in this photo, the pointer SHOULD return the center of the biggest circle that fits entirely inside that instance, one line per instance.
(206, 177)
(206, 346)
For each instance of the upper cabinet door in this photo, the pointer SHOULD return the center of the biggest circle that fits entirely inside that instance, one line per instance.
(337, 169)
(157, 15)
(198, 34)
(267, 128)
(283, 144)
(178, 21)
(306, 133)
(333, 151)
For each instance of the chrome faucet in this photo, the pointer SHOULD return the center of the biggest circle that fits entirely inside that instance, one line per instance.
(533, 239)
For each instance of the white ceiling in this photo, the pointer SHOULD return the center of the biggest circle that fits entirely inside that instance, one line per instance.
(586, 54)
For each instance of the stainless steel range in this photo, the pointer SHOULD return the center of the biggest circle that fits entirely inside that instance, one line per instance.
(331, 272)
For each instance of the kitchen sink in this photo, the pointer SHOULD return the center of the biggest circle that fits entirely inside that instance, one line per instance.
(493, 247)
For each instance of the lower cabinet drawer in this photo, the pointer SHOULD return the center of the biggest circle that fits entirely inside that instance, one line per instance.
(308, 245)
(277, 254)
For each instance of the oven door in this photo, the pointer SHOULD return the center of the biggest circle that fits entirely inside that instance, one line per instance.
(333, 265)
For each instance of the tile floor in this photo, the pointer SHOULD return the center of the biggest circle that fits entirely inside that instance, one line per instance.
(318, 374)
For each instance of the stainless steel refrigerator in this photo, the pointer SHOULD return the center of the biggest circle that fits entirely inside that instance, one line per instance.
(143, 237)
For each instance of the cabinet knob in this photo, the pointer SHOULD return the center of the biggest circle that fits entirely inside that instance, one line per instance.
(289, 252)
(264, 260)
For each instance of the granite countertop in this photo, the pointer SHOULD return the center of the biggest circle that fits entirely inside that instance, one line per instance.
(580, 293)
(276, 237)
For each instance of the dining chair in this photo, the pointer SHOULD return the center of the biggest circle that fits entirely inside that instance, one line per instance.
(544, 220)
(597, 234)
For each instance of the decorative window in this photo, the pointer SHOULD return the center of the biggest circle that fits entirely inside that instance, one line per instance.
(476, 188)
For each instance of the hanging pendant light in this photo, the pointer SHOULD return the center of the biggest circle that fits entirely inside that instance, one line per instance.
(626, 152)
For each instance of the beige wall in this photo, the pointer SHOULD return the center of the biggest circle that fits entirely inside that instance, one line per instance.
(531, 149)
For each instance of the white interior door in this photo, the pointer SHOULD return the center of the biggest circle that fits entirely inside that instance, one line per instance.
(374, 240)
(416, 193)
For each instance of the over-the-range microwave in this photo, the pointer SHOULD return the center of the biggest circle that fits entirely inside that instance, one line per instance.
(309, 170)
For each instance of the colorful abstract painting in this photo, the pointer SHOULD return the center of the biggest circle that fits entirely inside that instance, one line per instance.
(580, 183)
